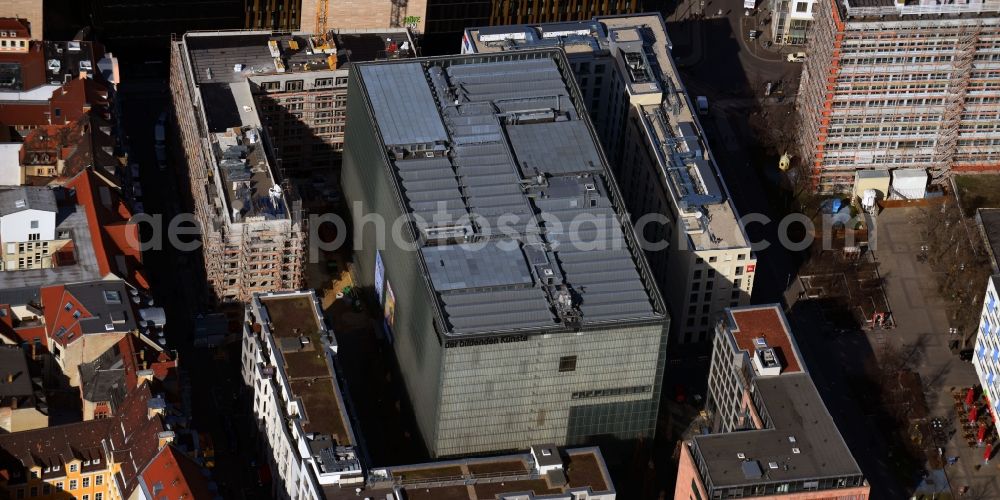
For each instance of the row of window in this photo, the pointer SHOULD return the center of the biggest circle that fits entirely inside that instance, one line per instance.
(298, 85)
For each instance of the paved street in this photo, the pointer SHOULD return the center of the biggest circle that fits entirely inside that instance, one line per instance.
(213, 383)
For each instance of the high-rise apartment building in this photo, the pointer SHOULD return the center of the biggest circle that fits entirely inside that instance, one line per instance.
(524, 310)
(657, 149)
(772, 436)
(254, 111)
(900, 85)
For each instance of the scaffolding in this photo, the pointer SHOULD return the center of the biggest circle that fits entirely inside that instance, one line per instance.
(899, 92)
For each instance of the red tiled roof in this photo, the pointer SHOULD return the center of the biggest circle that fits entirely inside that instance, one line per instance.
(32, 65)
(53, 445)
(765, 322)
(60, 319)
(135, 441)
(109, 225)
(173, 474)
(24, 114)
(18, 26)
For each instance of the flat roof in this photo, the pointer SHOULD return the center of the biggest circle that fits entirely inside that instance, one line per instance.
(638, 45)
(911, 8)
(505, 142)
(296, 325)
(750, 325)
(222, 65)
(802, 443)
(582, 469)
(84, 267)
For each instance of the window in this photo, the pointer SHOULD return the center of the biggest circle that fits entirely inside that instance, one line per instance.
(72, 467)
(739, 270)
(98, 496)
(59, 486)
(697, 274)
(802, 7)
(72, 484)
(741, 256)
(567, 364)
(34, 224)
(323, 82)
(713, 259)
(293, 85)
(86, 497)
(86, 482)
(711, 273)
(34, 236)
(737, 283)
(99, 479)
(699, 260)
(341, 80)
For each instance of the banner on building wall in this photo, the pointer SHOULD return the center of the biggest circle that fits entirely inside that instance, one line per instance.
(379, 275)
(389, 311)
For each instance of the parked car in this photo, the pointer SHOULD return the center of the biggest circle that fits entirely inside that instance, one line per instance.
(754, 34)
(796, 57)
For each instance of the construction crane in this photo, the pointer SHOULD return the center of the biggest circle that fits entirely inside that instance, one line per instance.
(322, 8)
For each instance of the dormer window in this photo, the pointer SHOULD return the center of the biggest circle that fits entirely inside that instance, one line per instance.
(72, 467)
(56, 468)
(69, 306)
(19, 203)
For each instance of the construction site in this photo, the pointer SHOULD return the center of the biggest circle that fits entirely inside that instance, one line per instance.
(892, 85)
(261, 119)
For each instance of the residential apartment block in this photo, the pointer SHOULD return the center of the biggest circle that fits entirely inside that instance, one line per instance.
(255, 111)
(661, 159)
(771, 434)
(66, 234)
(900, 85)
(548, 326)
(28, 235)
(289, 361)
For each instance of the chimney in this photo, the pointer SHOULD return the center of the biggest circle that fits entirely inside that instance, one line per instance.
(164, 438)
(144, 376)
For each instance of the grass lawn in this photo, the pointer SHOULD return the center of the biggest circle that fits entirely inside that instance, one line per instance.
(978, 191)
